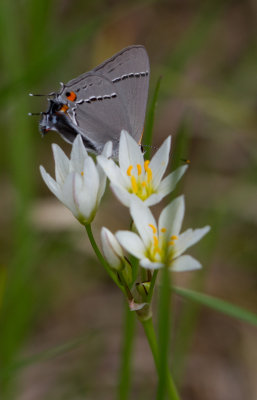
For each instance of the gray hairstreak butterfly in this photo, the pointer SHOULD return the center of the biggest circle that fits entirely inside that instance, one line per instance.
(100, 103)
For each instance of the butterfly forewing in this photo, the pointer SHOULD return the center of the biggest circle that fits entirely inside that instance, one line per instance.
(129, 70)
(100, 103)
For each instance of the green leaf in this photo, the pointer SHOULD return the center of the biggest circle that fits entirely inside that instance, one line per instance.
(217, 304)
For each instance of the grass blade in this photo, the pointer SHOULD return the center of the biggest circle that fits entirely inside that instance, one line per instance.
(217, 305)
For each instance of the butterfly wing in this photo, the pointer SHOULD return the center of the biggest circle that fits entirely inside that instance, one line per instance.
(129, 70)
(126, 75)
(97, 110)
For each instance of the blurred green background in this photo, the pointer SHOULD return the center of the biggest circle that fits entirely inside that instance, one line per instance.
(60, 315)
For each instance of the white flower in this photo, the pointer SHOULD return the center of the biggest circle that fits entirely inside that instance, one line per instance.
(112, 249)
(157, 246)
(136, 177)
(79, 184)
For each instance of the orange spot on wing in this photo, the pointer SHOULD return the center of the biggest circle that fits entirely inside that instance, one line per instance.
(71, 96)
(64, 108)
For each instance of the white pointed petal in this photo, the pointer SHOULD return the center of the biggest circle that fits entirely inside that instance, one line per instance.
(87, 195)
(107, 150)
(122, 195)
(78, 154)
(102, 186)
(153, 199)
(169, 183)
(68, 194)
(129, 152)
(185, 263)
(61, 164)
(50, 182)
(171, 217)
(159, 162)
(111, 248)
(131, 242)
(113, 172)
(189, 238)
(143, 219)
(146, 263)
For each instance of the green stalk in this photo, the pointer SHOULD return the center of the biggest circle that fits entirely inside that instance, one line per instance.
(129, 322)
(153, 280)
(151, 337)
(126, 354)
(164, 331)
(100, 256)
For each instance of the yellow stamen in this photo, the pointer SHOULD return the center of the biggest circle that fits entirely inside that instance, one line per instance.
(153, 228)
(134, 184)
(129, 170)
(139, 169)
(143, 184)
(146, 163)
(171, 242)
(82, 173)
(174, 237)
(149, 174)
(163, 230)
(155, 241)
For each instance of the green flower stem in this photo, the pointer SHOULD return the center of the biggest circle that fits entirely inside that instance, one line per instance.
(153, 280)
(126, 354)
(164, 331)
(101, 258)
(151, 337)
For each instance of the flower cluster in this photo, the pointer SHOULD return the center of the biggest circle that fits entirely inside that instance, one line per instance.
(138, 184)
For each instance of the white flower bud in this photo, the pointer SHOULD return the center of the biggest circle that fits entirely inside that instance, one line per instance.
(112, 249)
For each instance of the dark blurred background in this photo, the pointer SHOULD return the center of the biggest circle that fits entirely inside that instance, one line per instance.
(60, 315)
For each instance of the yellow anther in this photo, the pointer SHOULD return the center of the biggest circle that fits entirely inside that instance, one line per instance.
(149, 174)
(82, 173)
(174, 237)
(134, 184)
(153, 228)
(139, 169)
(163, 230)
(171, 242)
(143, 184)
(129, 170)
(155, 241)
(146, 163)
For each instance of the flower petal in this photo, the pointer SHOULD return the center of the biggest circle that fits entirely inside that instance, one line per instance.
(87, 194)
(144, 220)
(188, 239)
(168, 184)
(68, 194)
(132, 243)
(159, 162)
(78, 154)
(61, 164)
(50, 182)
(153, 199)
(185, 263)
(113, 172)
(122, 195)
(107, 150)
(146, 263)
(129, 152)
(171, 217)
